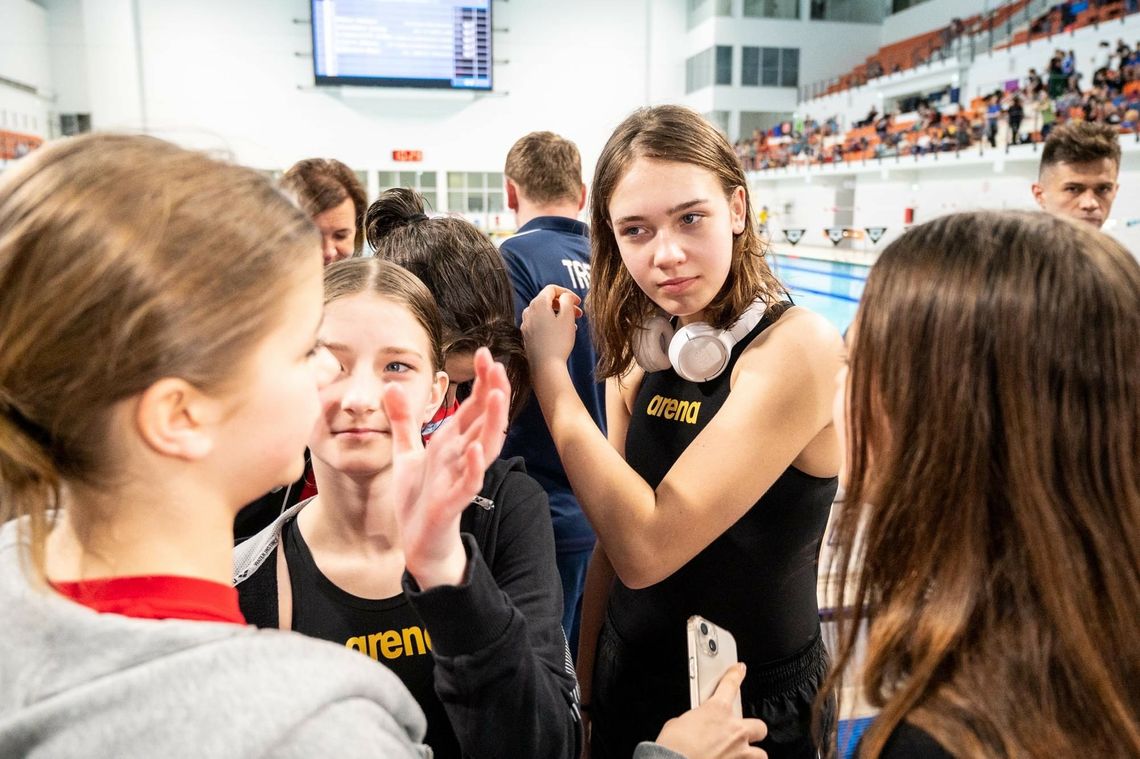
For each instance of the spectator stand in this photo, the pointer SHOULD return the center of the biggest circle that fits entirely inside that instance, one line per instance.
(923, 111)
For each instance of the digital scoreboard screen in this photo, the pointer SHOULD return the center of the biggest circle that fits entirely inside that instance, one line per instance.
(403, 43)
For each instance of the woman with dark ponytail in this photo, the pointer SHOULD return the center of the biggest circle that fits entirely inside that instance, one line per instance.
(469, 280)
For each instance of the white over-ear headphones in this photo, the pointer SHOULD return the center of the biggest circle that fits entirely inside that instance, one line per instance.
(698, 352)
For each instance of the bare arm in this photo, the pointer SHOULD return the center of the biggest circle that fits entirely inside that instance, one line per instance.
(600, 574)
(788, 373)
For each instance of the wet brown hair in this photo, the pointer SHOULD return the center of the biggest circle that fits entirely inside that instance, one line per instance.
(464, 272)
(546, 167)
(123, 260)
(1080, 142)
(320, 184)
(991, 525)
(617, 306)
(386, 279)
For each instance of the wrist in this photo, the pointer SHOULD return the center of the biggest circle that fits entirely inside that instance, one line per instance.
(449, 569)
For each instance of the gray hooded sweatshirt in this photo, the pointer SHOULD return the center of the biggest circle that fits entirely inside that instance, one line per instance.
(77, 683)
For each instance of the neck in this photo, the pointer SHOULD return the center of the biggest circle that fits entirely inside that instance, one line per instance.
(179, 529)
(529, 211)
(352, 512)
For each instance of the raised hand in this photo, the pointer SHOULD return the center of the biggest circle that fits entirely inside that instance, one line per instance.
(432, 486)
(549, 325)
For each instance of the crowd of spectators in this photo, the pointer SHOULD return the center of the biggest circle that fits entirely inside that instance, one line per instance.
(1024, 110)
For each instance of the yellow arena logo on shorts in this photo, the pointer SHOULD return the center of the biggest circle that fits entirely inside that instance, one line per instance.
(673, 409)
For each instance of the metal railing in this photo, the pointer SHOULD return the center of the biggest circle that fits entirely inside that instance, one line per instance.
(991, 31)
(821, 161)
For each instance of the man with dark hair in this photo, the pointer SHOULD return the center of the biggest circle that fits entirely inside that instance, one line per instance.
(545, 190)
(1079, 167)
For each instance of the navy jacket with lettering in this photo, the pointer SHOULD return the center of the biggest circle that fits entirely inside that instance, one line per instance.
(502, 667)
(554, 250)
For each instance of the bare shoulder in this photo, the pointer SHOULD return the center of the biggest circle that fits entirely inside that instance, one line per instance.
(799, 335)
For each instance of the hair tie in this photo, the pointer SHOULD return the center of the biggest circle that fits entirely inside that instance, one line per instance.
(417, 217)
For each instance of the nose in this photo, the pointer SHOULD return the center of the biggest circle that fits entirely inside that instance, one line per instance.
(328, 250)
(667, 251)
(1089, 201)
(362, 393)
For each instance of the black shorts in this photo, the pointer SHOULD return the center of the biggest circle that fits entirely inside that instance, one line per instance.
(631, 701)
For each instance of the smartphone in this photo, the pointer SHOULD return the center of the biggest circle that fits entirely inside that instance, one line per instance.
(712, 651)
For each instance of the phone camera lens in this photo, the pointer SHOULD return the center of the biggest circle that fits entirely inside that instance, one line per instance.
(712, 646)
(704, 629)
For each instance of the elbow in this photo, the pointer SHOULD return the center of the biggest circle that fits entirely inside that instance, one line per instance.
(637, 580)
(641, 570)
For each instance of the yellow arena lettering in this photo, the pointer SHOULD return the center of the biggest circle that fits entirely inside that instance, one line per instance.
(414, 633)
(373, 640)
(358, 643)
(654, 405)
(390, 644)
(673, 409)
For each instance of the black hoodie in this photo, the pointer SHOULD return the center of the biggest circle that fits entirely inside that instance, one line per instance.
(502, 668)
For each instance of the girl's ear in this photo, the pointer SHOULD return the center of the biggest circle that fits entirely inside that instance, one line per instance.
(438, 391)
(176, 419)
(738, 209)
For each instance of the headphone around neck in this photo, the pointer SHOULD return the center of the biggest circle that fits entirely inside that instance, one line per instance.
(698, 352)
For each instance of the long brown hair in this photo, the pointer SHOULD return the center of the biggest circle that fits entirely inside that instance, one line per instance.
(319, 184)
(464, 272)
(124, 259)
(392, 281)
(991, 524)
(617, 306)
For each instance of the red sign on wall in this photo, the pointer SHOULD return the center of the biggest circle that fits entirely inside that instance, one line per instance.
(407, 155)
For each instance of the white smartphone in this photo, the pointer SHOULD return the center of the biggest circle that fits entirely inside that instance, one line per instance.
(712, 651)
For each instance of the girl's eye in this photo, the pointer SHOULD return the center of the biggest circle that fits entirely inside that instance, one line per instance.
(690, 218)
(397, 367)
(632, 231)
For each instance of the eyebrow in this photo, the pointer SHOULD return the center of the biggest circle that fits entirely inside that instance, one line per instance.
(670, 212)
(390, 350)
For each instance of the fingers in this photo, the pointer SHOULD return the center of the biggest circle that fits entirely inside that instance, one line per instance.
(405, 432)
(474, 466)
(567, 303)
(490, 380)
(729, 686)
(553, 297)
(755, 730)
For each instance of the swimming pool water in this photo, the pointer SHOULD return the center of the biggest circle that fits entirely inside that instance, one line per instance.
(829, 288)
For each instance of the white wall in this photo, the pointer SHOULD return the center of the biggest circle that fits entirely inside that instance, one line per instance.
(68, 55)
(930, 15)
(826, 49)
(25, 61)
(238, 77)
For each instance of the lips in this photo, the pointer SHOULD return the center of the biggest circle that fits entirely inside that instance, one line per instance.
(358, 432)
(677, 284)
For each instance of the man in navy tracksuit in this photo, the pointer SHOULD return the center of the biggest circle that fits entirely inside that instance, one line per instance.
(545, 190)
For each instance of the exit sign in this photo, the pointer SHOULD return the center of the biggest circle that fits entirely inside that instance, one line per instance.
(407, 155)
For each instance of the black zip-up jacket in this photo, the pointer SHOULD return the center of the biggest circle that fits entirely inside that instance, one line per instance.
(502, 667)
